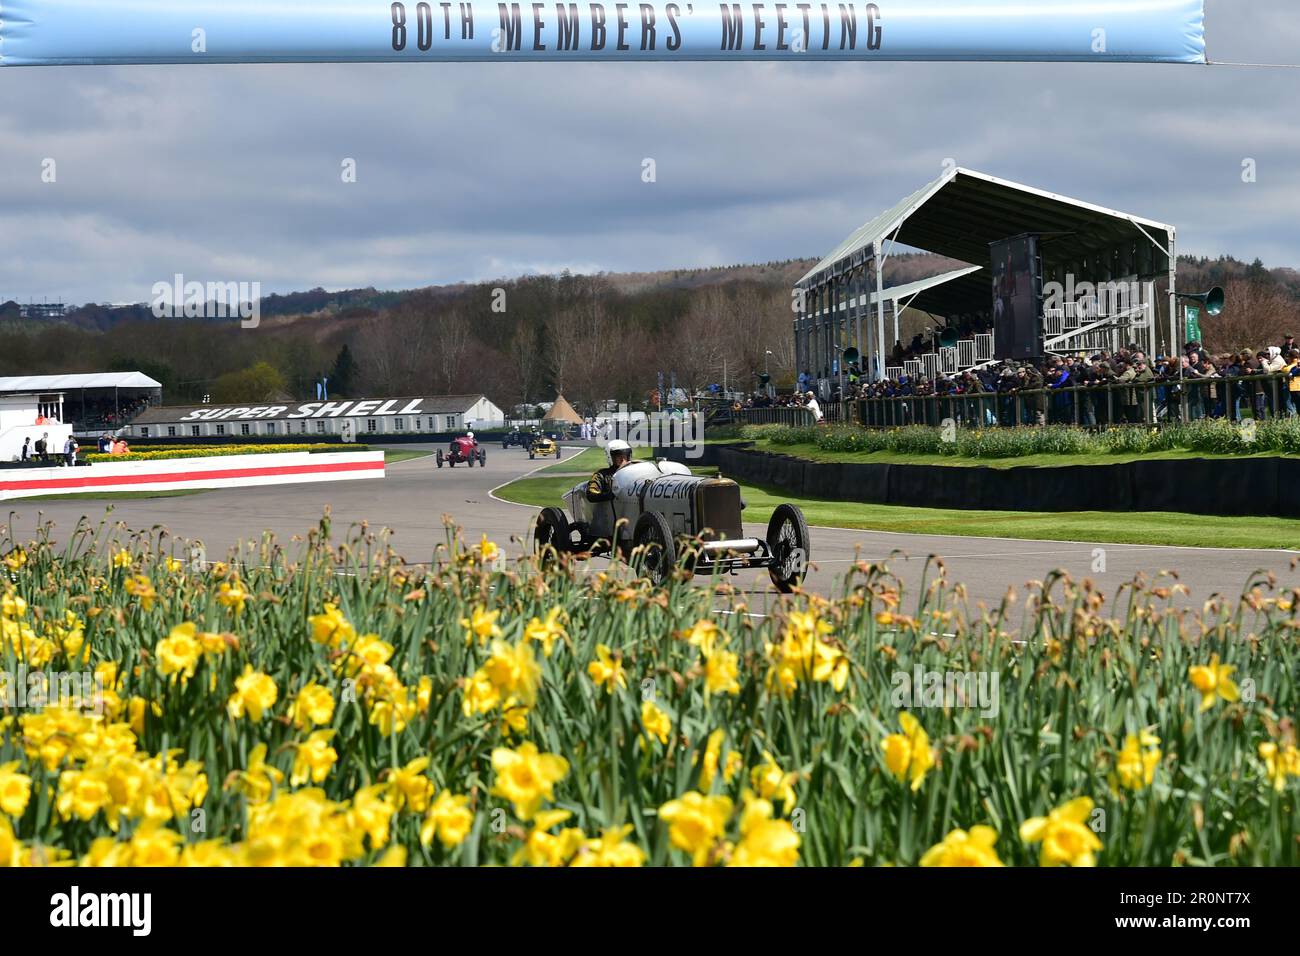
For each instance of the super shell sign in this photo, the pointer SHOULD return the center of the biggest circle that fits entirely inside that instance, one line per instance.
(59, 32)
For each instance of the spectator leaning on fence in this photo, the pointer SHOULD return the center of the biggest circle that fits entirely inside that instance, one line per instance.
(1092, 389)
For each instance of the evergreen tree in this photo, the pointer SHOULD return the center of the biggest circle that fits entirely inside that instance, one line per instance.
(343, 374)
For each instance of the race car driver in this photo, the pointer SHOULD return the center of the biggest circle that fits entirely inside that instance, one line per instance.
(601, 486)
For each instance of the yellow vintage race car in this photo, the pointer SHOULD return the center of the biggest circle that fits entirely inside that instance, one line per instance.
(543, 446)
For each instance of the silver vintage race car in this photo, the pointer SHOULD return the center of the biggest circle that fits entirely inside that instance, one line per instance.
(662, 513)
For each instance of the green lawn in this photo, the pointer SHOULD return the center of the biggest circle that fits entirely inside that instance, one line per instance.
(392, 456)
(1158, 528)
(811, 452)
(589, 460)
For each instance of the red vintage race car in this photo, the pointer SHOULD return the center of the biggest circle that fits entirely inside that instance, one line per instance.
(461, 450)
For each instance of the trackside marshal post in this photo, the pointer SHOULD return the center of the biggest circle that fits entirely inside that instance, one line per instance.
(54, 32)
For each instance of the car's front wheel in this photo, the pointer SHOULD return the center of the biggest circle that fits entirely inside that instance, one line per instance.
(788, 540)
(654, 552)
(551, 535)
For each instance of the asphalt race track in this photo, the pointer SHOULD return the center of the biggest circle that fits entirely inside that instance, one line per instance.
(415, 496)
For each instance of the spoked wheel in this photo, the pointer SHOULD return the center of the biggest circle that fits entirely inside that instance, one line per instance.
(788, 540)
(657, 549)
(440, 458)
(551, 537)
(482, 458)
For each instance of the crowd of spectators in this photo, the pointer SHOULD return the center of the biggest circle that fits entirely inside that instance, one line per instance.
(966, 327)
(1087, 388)
(104, 413)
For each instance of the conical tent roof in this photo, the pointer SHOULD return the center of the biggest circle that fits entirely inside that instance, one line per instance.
(562, 411)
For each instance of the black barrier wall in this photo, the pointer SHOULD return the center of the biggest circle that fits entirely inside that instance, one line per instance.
(1230, 486)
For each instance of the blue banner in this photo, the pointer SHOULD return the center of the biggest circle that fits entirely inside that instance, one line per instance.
(54, 32)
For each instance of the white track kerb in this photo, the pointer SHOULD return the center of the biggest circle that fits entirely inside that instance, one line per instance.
(225, 471)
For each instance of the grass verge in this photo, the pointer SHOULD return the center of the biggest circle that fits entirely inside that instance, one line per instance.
(1154, 528)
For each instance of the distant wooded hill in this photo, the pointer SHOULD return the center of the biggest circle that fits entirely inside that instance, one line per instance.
(521, 340)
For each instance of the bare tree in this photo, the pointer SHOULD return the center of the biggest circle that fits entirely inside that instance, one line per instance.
(1258, 313)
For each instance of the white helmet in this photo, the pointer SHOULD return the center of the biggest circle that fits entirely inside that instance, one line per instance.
(469, 434)
(617, 445)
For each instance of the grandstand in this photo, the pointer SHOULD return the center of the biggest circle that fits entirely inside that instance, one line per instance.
(93, 402)
(1104, 264)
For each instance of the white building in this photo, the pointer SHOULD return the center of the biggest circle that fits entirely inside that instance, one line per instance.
(31, 416)
(370, 419)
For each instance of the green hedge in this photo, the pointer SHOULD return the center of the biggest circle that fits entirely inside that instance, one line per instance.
(220, 451)
(1208, 436)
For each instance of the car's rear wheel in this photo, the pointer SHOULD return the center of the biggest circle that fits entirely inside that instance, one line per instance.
(482, 457)
(788, 540)
(551, 536)
(654, 550)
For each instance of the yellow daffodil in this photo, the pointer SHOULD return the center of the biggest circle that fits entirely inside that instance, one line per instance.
(488, 550)
(712, 755)
(765, 841)
(1280, 762)
(255, 694)
(411, 789)
(1135, 764)
(705, 635)
(610, 849)
(313, 707)
(974, 847)
(526, 777)
(331, 628)
(655, 722)
(696, 823)
(231, 594)
(541, 848)
(721, 668)
(314, 760)
(178, 653)
(140, 587)
(1065, 836)
(481, 625)
(772, 783)
(1214, 681)
(259, 780)
(15, 789)
(513, 671)
(606, 670)
(449, 818)
(908, 755)
(546, 632)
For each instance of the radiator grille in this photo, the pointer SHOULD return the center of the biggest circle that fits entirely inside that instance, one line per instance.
(717, 508)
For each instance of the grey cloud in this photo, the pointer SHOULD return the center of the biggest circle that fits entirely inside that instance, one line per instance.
(472, 172)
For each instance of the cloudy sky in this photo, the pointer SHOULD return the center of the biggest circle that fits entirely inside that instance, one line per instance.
(477, 171)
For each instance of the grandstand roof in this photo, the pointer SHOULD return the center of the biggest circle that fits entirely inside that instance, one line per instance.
(68, 383)
(959, 292)
(952, 293)
(963, 211)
